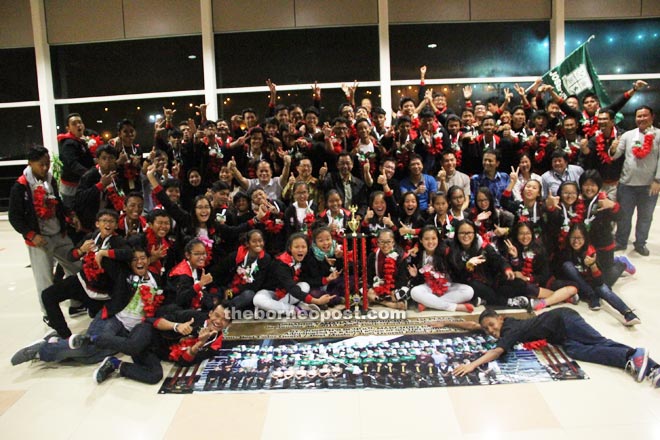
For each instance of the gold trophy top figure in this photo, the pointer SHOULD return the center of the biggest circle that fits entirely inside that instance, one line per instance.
(353, 223)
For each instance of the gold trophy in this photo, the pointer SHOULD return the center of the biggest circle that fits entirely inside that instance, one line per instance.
(353, 223)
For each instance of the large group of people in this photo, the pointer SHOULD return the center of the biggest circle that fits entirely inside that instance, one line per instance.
(513, 202)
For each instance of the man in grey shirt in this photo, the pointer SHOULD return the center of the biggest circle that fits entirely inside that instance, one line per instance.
(640, 179)
(449, 176)
(561, 172)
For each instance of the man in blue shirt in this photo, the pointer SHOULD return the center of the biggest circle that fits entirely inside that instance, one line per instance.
(494, 180)
(423, 185)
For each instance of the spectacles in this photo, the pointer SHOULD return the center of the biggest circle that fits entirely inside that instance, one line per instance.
(198, 254)
(466, 234)
(385, 241)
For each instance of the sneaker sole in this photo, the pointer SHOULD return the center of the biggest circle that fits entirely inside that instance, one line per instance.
(96, 372)
(632, 322)
(38, 341)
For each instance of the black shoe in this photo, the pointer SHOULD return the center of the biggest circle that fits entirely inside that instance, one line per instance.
(79, 341)
(642, 250)
(620, 247)
(77, 310)
(105, 369)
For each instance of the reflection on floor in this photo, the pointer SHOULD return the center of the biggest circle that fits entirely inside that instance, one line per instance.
(62, 402)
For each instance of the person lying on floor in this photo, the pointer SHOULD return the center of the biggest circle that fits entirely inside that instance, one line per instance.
(562, 326)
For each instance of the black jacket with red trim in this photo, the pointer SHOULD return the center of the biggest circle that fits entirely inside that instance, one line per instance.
(76, 157)
(23, 217)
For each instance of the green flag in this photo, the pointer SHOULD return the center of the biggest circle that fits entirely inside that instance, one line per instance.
(576, 76)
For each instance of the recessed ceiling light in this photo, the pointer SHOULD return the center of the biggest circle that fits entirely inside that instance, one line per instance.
(432, 46)
(192, 57)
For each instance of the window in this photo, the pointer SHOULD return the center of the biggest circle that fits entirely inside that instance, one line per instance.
(621, 46)
(102, 117)
(21, 129)
(297, 56)
(460, 50)
(125, 67)
(18, 75)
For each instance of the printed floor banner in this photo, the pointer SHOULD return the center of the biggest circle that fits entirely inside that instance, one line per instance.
(367, 362)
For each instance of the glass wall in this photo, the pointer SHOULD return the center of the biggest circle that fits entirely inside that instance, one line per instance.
(127, 67)
(619, 46)
(297, 56)
(18, 75)
(460, 50)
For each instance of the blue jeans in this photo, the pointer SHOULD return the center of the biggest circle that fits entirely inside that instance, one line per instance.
(59, 351)
(631, 197)
(584, 343)
(603, 291)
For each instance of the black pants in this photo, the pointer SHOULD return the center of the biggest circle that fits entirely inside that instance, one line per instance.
(68, 288)
(146, 366)
(497, 296)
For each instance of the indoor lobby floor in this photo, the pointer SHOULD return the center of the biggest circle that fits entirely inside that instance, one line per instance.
(52, 402)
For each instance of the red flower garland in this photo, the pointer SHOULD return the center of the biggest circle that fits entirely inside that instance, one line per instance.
(177, 351)
(115, 199)
(436, 146)
(91, 269)
(542, 140)
(152, 243)
(642, 151)
(528, 266)
(389, 267)
(273, 227)
(438, 285)
(535, 345)
(150, 300)
(44, 206)
(602, 152)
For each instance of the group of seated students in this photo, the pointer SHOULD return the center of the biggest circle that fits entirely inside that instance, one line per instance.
(499, 207)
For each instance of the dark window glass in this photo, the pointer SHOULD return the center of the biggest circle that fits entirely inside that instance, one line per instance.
(21, 129)
(647, 96)
(297, 56)
(103, 117)
(18, 75)
(234, 103)
(124, 67)
(621, 46)
(469, 49)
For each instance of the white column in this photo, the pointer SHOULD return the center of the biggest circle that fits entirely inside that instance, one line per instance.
(208, 54)
(557, 35)
(384, 57)
(44, 76)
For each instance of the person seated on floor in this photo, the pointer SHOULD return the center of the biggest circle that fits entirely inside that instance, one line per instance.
(286, 291)
(101, 252)
(125, 324)
(562, 326)
(429, 274)
(386, 272)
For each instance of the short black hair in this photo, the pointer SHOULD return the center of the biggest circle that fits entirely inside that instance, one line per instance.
(111, 212)
(488, 313)
(36, 152)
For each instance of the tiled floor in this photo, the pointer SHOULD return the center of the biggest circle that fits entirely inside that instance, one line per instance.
(61, 401)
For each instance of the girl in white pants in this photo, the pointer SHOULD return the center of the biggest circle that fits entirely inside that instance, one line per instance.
(434, 288)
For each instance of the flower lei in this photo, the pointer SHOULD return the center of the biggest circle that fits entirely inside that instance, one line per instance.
(93, 142)
(535, 345)
(244, 274)
(177, 351)
(385, 285)
(572, 149)
(642, 149)
(436, 146)
(457, 149)
(589, 124)
(154, 242)
(528, 264)
(116, 200)
(434, 279)
(273, 226)
(151, 300)
(577, 217)
(601, 150)
(308, 221)
(542, 141)
(91, 269)
(44, 205)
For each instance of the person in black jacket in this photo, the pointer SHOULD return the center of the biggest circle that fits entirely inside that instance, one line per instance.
(99, 252)
(99, 189)
(76, 157)
(285, 291)
(323, 266)
(36, 212)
